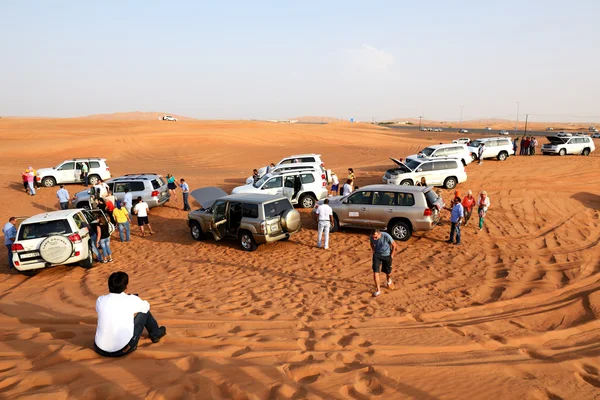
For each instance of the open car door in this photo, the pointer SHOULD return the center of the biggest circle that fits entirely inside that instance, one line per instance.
(96, 214)
(218, 226)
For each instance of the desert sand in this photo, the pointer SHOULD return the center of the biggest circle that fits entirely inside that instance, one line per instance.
(512, 314)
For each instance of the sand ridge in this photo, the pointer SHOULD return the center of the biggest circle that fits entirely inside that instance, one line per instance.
(511, 314)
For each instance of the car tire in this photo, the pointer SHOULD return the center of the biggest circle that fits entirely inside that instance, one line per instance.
(586, 152)
(502, 156)
(196, 231)
(406, 182)
(450, 182)
(89, 261)
(31, 272)
(336, 224)
(307, 201)
(473, 156)
(562, 152)
(48, 181)
(247, 241)
(400, 230)
(93, 179)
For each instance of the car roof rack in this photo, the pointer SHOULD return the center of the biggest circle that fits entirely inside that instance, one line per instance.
(87, 158)
(141, 173)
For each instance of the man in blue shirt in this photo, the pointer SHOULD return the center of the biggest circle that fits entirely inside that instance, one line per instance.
(383, 248)
(185, 189)
(63, 197)
(456, 218)
(10, 234)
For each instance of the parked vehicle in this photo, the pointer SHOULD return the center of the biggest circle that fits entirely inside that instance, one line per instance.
(583, 145)
(487, 128)
(303, 187)
(55, 238)
(462, 140)
(446, 172)
(549, 128)
(495, 147)
(296, 161)
(317, 167)
(250, 218)
(503, 132)
(69, 171)
(151, 187)
(169, 118)
(401, 210)
(564, 134)
(454, 150)
(463, 131)
(423, 129)
(596, 135)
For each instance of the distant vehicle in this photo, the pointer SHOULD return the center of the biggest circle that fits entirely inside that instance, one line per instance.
(423, 129)
(169, 118)
(503, 132)
(454, 150)
(583, 145)
(437, 130)
(487, 128)
(462, 140)
(497, 147)
(596, 135)
(592, 128)
(564, 134)
(463, 131)
(69, 171)
(298, 161)
(549, 128)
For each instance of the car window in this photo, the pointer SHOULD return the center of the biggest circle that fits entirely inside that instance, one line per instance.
(44, 229)
(307, 178)
(219, 209)
(274, 183)
(360, 198)
(289, 181)
(427, 151)
(250, 210)
(137, 186)
(67, 166)
(428, 166)
(120, 187)
(455, 150)
(384, 198)
(406, 199)
(276, 208)
(412, 164)
(156, 184)
(94, 164)
(79, 220)
(440, 152)
(475, 143)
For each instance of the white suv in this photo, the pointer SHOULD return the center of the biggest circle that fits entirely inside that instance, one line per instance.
(496, 147)
(454, 150)
(302, 187)
(69, 171)
(446, 172)
(54, 238)
(169, 118)
(583, 145)
(298, 160)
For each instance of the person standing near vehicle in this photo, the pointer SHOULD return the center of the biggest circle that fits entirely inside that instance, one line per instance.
(121, 217)
(383, 248)
(351, 177)
(456, 218)
(533, 145)
(325, 221)
(522, 152)
(122, 318)
(63, 197)
(335, 186)
(101, 188)
(347, 188)
(103, 240)
(24, 178)
(480, 151)
(171, 185)
(483, 203)
(141, 210)
(468, 204)
(185, 189)
(31, 181)
(255, 176)
(94, 238)
(128, 200)
(85, 170)
(10, 235)
(515, 146)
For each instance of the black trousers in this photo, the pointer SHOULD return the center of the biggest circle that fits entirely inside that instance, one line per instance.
(141, 321)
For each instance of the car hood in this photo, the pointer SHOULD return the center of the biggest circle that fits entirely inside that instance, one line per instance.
(556, 140)
(246, 189)
(208, 195)
(44, 171)
(333, 200)
(83, 193)
(399, 163)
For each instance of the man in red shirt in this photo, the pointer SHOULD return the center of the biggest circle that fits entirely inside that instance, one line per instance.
(468, 203)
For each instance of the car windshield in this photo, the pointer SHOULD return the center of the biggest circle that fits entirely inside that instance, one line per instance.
(427, 151)
(412, 164)
(44, 229)
(261, 181)
(475, 143)
(276, 208)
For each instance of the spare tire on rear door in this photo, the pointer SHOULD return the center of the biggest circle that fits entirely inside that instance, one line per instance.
(56, 249)
(291, 221)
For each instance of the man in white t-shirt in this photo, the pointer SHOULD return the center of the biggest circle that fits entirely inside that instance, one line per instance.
(347, 189)
(141, 210)
(335, 184)
(102, 188)
(122, 318)
(325, 220)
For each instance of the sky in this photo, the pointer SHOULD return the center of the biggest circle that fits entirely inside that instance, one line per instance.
(283, 59)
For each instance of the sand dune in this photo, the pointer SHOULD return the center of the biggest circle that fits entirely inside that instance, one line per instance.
(134, 116)
(511, 314)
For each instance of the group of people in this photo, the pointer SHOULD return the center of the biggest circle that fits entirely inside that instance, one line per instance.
(29, 181)
(461, 211)
(346, 188)
(185, 189)
(528, 146)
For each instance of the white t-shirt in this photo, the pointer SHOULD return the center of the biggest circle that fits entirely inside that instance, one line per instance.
(141, 209)
(324, 212)
(115, 319)
(335, 179)
(103, 188)
(128, 200)
(347, 189)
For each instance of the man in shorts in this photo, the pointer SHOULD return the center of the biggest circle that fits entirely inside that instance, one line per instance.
(383, 248)
(141, 210)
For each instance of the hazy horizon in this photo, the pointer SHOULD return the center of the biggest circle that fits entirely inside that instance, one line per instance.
(266, 60)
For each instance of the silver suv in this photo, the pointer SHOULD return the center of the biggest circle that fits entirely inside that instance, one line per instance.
(150, 187)
(250, 218)
(401, 210)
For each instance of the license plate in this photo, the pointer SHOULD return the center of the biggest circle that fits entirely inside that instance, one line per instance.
(29, 255)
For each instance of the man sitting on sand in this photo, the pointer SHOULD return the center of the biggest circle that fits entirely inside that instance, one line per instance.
(122, 318)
